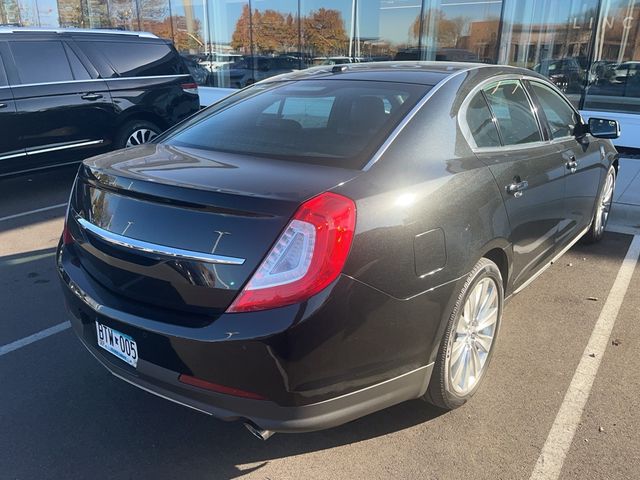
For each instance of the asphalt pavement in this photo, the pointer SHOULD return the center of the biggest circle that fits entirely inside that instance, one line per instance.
(62, 416)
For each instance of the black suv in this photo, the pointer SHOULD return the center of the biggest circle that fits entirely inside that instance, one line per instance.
(69, 94)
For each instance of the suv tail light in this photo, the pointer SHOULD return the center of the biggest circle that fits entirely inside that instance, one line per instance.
(67, 238)
(309, 255)
(190, 88)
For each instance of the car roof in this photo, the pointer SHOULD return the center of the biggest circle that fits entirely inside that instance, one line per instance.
(73, 31)
(419, 72)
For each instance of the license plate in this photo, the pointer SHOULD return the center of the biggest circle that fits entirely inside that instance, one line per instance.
(117, 343)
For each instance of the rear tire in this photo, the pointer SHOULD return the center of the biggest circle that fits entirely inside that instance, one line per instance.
(469, 339)
(603, 207)
(136, 132)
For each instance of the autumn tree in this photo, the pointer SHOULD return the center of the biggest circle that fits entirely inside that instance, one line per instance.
(324, 32)
(241, 38)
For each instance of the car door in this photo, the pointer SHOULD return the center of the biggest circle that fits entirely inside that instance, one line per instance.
(63, 112)
(9, 147)
(582, 158)
(526, 170)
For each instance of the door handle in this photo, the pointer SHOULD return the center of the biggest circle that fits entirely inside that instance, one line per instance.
(3, 105)
(516, 188)
(572, 165)
(91, 96)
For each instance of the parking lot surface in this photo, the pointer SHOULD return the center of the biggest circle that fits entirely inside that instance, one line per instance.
(63, 416)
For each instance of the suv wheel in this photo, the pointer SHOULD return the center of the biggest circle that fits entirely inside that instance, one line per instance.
(136, 133)
(469, 339)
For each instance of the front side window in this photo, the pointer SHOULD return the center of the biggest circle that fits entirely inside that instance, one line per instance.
(512, 109)
(560, 116)
(335, 122)
(41, 62)
(480, 123)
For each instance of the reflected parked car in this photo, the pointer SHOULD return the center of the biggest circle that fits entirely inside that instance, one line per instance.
(565, 73)
(331, 242)
(625, 71)
(250, 70)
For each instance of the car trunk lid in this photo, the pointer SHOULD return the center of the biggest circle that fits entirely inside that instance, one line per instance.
(152, 222)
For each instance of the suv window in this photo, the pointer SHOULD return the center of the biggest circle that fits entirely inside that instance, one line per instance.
(41, 62)
(3, 76)
(141, 59)
(78, 69)
(560, 116)
(512, 109)
(480, 122)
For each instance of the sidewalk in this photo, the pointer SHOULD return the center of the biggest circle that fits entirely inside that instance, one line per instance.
(625, 212)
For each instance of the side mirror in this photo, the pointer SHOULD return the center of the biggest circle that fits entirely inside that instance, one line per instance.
(603, 128)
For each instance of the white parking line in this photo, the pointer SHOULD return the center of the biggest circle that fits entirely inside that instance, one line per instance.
(38, 210)
(556, 447)
(23, 342)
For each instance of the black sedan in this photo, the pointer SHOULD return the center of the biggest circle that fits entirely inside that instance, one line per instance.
(333, 241)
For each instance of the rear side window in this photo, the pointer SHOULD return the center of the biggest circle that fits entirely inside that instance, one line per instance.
(480, 122)
(335, 122)
(78, 70)
(41, 62)
(560, 116)
(512, 109)
(3, 76)
(140, 59)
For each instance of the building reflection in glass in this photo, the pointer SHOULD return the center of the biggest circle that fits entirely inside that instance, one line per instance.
(589, 48)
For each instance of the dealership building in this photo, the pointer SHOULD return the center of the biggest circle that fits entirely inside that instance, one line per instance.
(589, 48)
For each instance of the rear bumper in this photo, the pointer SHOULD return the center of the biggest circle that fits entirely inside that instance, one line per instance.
(301, 359)
(268, 415)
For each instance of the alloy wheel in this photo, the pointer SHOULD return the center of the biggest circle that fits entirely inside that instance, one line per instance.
(140, 136)
(472, 339)
(604, 203)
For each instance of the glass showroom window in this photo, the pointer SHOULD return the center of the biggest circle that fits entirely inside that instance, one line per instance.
(327, 32)
(227, 40)
(461, 31)
(553, 38)
(614, 78)
(389, 29)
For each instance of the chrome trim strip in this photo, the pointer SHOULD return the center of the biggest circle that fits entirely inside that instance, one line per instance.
(71, 31)
(96, 80)
(551, 262)
(412, 113)
(13, 155)
(63, 147)
(154, 248)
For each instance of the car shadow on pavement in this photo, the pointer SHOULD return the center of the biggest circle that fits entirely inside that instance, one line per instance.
(80, 413)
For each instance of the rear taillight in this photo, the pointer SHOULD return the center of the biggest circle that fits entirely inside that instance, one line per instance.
(190, 88)
(67, 238)
(308, 256)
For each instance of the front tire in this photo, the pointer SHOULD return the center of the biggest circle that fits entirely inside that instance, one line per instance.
(469, 339)
(603, 207)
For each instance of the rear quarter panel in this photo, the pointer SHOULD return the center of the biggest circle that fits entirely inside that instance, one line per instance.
(428, 179)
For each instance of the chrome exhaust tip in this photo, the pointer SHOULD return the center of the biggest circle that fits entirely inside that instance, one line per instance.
(257, 432)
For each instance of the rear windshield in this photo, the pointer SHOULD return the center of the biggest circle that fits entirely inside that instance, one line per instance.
(334, 122)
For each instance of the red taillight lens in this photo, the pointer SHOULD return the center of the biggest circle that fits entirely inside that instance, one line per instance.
(214, 387)
(308, 256)
(190, 87)
(67, 238)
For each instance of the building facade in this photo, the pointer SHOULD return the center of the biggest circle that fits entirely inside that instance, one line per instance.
(589, 48)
